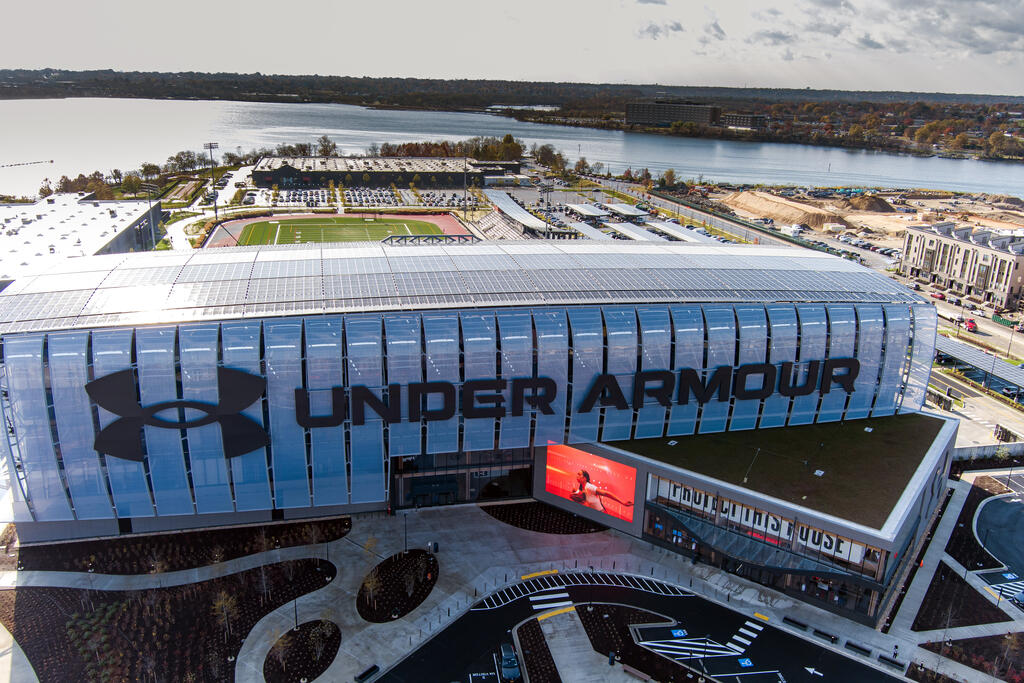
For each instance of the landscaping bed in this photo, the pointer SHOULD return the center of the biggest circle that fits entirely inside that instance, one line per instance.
(303, 654)
(397, 586)
(536, 656)
(1001, 656)
(183, 633)
(611, 634)
(951, 602)
(158, 553)
(541, 517)
(925, 675)
(963, 546)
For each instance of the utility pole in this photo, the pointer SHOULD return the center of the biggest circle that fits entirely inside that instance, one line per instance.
(210, 146)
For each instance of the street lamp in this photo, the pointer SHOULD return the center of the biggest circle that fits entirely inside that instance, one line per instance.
(210, 146)
(150, 188)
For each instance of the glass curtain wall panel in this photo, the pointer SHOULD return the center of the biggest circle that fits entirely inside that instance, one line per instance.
(68, 358)
(479, 343)
(33, 441)
(870, 331)
(154, 350)
(327, 444)
(515, 331)
(753, 338)
(784, 333)
(404, 367)
(112, 352)
(552, 333)
(250, 472)
(364, 351)
(842, 329)
(897, 341)
(620, 323)
(655, 355)
(587, 330)
(925, 322)
(283, 356)
(721, 349)
(441, 340)
(813, 337)
(198, 344)
(688, 333)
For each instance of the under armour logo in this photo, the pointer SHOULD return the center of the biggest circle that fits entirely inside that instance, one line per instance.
(116, 393)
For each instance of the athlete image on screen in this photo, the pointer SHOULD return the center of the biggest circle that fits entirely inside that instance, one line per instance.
(590, 495)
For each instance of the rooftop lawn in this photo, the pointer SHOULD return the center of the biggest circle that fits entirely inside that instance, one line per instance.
(865, 473)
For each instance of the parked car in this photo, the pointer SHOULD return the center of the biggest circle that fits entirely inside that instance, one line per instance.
(971, 325)
(509, 663)
(938, 295)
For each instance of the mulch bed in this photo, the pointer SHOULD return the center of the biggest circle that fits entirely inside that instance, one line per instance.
(951, 601)
(183, 633)
(957, 467)
(962, 545)
(303, 654)
(157, 553)
(397, 586)
(997, 656)
(536, 657)
(541, 517)
(923, 674)
(611, 633)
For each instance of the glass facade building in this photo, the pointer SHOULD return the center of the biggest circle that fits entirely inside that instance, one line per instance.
(406, 328)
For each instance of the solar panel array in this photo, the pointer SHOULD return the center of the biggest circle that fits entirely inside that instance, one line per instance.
(241, 282)
(504, 203)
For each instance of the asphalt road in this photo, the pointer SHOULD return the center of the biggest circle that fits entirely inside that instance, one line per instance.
(1000, 525)
(958, 390)
(728, 645)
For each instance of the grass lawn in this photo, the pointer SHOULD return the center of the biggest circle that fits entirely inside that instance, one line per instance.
(863, 473)
(331, 229)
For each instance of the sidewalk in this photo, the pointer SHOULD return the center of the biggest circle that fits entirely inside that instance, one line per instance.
(478, 555)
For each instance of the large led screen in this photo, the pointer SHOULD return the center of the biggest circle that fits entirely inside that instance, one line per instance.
(590, 480)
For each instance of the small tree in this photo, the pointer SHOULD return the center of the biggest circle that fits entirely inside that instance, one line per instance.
(279, 652)
(225, 608)
(372, 584)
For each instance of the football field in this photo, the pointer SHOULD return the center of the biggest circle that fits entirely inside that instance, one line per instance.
(331, 229)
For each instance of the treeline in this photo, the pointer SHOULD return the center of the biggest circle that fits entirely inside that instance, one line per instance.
(480, 148)
(419, 93)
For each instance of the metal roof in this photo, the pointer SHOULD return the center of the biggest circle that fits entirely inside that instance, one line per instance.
(634, 232)
(268, 281)
(504, 203)
(588, 210)
(588, 231)
(997, 367)
(625, 210)
(680, 233)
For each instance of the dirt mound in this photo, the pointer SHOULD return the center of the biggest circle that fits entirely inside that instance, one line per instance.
(781, 210)
(1015, 202)
(864, 203)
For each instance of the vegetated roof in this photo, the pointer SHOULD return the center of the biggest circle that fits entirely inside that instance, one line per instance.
(269, 281)
(863, 473)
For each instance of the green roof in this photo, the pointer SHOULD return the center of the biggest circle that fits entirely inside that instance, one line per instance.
(864, 473)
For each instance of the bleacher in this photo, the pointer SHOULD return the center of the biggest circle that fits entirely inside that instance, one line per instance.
(498, 226)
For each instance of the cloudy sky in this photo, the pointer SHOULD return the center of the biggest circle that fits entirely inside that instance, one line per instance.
(928, 45)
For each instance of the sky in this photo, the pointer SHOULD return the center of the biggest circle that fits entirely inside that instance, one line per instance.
(968, 46)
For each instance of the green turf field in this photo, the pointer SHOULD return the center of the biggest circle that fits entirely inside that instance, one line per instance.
(331, 229)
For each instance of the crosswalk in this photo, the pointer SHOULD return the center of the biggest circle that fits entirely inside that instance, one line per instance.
(1008, 588)
(549, 590)
(683, 647)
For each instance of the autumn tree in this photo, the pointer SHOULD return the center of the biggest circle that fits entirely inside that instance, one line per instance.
(225, 608)
(325, 147)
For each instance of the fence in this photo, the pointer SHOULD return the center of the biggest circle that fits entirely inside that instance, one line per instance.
(976, 452)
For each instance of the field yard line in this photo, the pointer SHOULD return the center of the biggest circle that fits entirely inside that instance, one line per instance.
(407, 230)
(277, 233)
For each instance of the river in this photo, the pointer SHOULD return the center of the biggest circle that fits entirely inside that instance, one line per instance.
(87, 134)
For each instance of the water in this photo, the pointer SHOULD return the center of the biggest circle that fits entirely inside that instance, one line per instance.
(83, 135)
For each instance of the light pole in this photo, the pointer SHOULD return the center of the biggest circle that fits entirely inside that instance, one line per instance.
(210, 146)
(150, 188)
(1012, 330)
